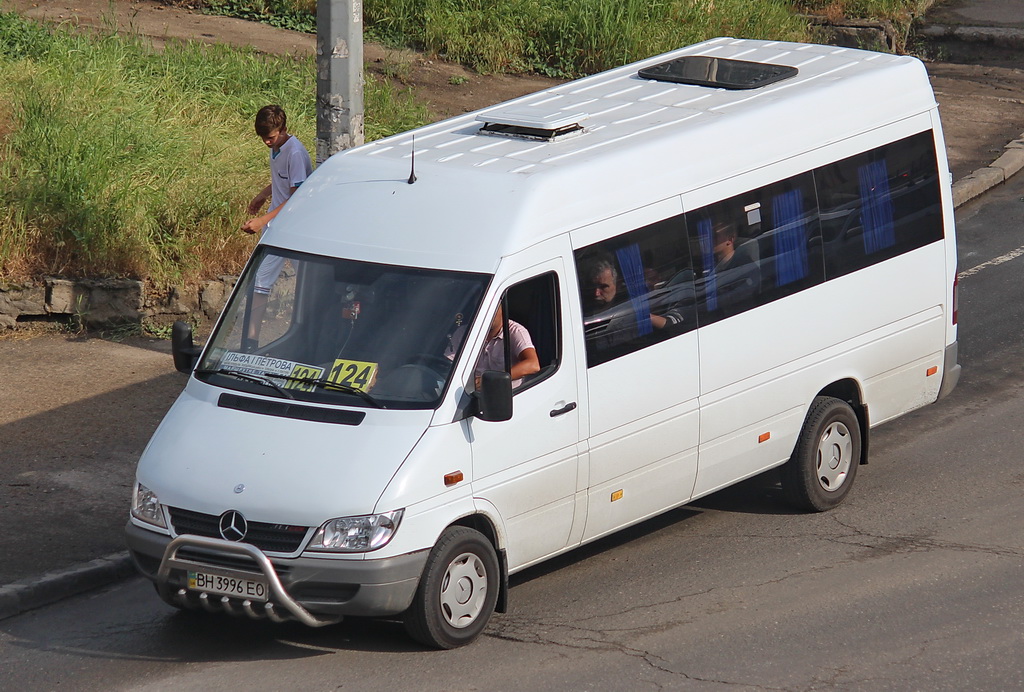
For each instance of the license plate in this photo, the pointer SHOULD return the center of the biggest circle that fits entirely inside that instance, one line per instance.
(228, 586)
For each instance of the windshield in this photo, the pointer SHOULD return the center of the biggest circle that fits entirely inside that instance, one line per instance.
(339, 331)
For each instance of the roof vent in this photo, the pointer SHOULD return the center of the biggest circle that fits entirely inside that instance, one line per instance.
(721, 73)
(531, 123)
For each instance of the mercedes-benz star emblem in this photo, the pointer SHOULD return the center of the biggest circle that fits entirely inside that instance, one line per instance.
(233, 526)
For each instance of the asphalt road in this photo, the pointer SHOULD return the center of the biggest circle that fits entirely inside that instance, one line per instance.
(914, 583)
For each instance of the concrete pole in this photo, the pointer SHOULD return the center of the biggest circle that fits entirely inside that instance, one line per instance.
(339, 76)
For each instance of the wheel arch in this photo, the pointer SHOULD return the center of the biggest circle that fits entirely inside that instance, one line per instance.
(483, 524)
(849, 390)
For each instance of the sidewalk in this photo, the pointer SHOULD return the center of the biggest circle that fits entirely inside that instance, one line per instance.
(76, 412)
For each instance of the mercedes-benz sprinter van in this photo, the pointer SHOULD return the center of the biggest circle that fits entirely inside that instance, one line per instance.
(733, 257)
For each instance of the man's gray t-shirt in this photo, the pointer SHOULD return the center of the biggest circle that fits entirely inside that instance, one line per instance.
(289, 168)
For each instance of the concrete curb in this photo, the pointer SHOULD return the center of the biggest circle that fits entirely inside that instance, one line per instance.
(1000, 37)
(984, 179)
(20, 597)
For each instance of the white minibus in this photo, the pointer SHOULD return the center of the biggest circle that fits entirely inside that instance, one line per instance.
(510, 333)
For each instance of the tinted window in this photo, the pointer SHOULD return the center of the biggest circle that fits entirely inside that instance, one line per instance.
(879, 204)
(636, 289)
(759, 246)
(755, 247)
(341, 331)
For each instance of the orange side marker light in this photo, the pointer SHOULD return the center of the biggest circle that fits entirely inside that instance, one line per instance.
(453, 478)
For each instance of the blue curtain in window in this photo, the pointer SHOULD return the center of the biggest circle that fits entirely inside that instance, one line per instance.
(876, 210)
(707, 251)
(790, 237)
(632, 267)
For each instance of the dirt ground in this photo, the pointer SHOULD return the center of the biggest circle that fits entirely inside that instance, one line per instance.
(76, 411)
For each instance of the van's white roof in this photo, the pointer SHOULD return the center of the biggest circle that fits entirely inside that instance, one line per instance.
(479, 197)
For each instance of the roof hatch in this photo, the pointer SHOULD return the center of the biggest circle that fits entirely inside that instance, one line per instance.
(721, 73)
(532, 123)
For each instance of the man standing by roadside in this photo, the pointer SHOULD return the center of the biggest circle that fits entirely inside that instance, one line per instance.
(290, 165)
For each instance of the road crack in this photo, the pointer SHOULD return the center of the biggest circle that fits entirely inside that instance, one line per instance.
(902, 544)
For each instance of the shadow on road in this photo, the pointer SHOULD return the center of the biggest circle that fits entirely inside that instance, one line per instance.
(68, 453)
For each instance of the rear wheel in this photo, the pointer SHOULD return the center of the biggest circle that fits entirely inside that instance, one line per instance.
(457, 591)
(821, 471)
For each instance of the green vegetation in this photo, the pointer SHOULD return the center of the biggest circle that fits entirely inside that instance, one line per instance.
(570, 38)
(118, 160)
(297, 15)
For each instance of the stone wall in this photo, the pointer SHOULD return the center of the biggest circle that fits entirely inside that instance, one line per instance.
(104, 303)
(878, 35)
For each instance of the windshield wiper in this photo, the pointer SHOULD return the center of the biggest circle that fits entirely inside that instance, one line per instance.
(263, 379)
(328, 384)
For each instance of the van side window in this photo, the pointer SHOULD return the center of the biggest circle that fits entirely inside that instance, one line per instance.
(758, 246)
(636, 289)
(755, 247)
(534, 304)
(879, 204)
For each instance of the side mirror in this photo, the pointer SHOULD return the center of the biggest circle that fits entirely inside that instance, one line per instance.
(184, 351)
(494, 398)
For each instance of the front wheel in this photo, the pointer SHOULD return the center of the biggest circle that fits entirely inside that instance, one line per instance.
(457, 592)
(821, 471)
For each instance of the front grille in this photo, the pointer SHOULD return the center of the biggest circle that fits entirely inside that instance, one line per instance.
(235, 562)
(275, 538)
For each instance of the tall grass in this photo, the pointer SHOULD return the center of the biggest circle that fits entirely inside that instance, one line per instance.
(560, 38)
(569, 38)
(117, 160)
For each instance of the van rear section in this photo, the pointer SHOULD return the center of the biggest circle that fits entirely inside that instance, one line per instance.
(501, 336)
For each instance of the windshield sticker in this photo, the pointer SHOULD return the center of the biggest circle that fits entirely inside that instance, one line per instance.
(353, 373)
(252, 364)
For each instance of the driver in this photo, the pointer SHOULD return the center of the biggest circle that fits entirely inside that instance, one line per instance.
(524, 355)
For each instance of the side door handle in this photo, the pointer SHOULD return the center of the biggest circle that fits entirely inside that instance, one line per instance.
(571, 406)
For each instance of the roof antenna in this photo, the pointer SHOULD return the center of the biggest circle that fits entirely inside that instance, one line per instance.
(412, 166)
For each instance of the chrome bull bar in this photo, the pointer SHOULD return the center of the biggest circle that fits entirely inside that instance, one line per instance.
(278, 596)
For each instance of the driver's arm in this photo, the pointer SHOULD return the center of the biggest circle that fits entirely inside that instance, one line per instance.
(527, 364)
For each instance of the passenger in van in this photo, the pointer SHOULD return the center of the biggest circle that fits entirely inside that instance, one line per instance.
(602, 291)
(290, 165)
(738, 275)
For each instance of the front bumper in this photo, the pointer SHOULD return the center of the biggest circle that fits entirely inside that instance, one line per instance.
(314, 591)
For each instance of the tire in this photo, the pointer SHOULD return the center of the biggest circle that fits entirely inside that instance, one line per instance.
(457, 592)
(819, 475)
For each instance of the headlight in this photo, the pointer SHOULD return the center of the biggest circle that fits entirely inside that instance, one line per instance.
(357, 534)
(146, 506)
